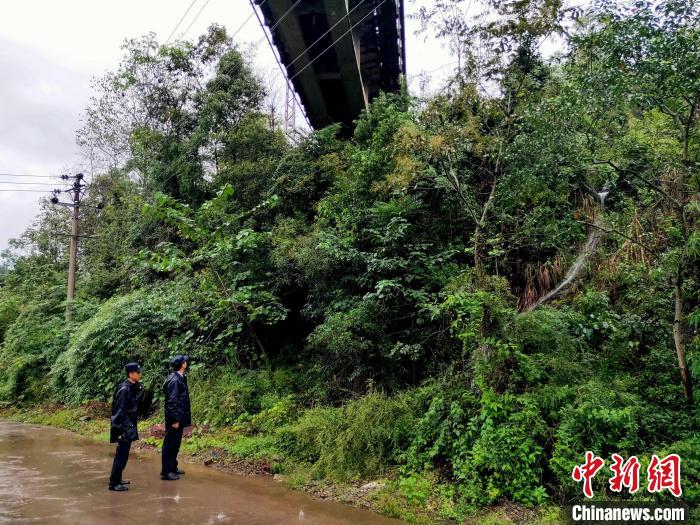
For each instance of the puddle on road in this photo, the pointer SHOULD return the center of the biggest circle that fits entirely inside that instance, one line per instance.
(49, 475)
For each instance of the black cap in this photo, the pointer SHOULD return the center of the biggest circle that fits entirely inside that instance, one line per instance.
(176, 362)
(132, 367)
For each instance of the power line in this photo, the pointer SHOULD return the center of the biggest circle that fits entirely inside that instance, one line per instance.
(274, 53)
(338, 40)
(245, 22)
(29, 175)
(306, 51)
(59, 234)
(180, 22)
(274, 26)
(195, 18)
(27, 183)
(224, 71)
(55, 190)
(33, 191)
(216, 81)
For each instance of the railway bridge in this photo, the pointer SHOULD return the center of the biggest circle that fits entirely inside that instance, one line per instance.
(338, 54)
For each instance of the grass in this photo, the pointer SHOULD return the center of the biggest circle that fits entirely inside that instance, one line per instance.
(304, 455)
(78, 419)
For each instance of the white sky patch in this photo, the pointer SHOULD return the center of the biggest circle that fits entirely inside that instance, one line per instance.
(50, 89)
(50, 51)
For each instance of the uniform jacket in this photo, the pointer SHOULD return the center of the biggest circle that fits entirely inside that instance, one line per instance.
(177, 400)
(124, 409)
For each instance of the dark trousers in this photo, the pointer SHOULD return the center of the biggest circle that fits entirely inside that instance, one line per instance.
(120, 459)
(171, 448)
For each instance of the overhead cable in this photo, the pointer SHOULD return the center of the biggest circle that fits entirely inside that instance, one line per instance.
(16, 183)
(195, 18)
(33, 191)
(285, 15)
(29, 175)
(180, 22)
(306, 51)
(338, 40)
(240, 27)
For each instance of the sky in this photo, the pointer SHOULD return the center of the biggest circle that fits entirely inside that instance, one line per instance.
(50, 51)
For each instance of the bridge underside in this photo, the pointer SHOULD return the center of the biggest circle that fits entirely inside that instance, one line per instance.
(364, 52)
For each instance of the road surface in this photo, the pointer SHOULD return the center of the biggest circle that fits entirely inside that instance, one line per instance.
(52, 476)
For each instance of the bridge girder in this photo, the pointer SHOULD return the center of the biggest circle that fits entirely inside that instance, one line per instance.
(336, 85)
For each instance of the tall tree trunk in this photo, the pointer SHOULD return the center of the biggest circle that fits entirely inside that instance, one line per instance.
(678, 335)
(478, 262)
(678, 338)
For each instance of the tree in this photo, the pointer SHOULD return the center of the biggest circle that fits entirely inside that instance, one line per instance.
(498, 59)
(651, 52)
(164, 114)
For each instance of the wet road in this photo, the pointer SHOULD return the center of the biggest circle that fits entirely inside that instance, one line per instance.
(52, 476)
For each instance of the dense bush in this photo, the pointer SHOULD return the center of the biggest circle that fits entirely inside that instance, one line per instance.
(142, 326)
(9, 311)
(361, 439)
(33, 343)
(224, 398)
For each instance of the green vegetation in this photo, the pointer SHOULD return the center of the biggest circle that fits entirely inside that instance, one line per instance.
(458, 300)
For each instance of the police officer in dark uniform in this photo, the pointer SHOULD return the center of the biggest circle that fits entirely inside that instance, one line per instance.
(177, 416)
(123, 430)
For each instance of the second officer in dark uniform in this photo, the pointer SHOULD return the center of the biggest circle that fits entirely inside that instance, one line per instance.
(177, 416)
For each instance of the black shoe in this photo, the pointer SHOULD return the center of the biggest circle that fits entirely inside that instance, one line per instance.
(180, 472)
(118, 488)
(125, 482)
(171, 476)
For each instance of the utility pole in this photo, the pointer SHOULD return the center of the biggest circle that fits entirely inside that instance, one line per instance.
(75, 222)
(77, 186)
